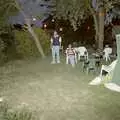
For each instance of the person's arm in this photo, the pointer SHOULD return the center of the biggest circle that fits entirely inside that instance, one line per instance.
(66, 51)
(74, 51)
(60, 40)
(51, 42)
(104, 50)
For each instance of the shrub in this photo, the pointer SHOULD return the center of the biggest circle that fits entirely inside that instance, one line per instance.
(7, 47)
(19, 115)
(2, 54)
(25, 45)
(44, 39)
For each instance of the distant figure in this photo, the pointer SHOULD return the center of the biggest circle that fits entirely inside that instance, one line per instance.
(107, 51)
(55, 46)
(70, 55)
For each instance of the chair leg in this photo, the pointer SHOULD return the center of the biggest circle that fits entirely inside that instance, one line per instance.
(89, 69)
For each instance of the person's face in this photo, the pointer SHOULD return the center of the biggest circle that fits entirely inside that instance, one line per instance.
(69, 46)
(55, 33)
(106, 46)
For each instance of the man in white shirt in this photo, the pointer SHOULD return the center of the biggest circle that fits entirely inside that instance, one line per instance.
(107, 51)
(55, 46)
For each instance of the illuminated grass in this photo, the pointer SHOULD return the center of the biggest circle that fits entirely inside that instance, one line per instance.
(57, 92)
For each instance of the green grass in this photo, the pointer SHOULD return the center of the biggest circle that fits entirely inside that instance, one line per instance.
(7, 113)
(56, 92)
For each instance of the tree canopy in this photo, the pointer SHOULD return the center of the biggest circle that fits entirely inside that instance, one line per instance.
(38, 9)
(77, 10)
(8, 5)
(6, 9)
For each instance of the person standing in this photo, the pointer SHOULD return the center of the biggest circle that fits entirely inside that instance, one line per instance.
(55, 46)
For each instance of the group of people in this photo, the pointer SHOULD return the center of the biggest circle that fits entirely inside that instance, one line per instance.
(70, 52)
(55, 47)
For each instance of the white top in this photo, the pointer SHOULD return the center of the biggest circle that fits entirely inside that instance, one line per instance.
(70, 51)
(107, 50)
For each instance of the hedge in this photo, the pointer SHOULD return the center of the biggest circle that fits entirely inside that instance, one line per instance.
(25, 44)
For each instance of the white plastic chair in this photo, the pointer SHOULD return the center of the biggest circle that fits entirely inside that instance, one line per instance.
(107, 51)
(82, 52)
(108, 68)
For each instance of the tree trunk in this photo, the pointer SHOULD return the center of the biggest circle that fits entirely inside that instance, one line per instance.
(96, 29)
(101, 29)
(96, 24)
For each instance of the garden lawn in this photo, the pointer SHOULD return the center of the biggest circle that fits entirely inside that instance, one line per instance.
(56, 92)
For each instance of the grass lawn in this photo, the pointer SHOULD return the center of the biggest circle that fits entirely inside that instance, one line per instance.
(57, 92)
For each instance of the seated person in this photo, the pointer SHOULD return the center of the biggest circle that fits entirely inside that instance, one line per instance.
(70, 55)
(107, 51)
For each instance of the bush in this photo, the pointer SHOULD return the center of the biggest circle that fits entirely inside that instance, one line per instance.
(44, 39)
(25, 45)
(2, 54)
(6, 43)
(19, 115)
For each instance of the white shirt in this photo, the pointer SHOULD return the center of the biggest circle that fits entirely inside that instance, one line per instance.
(108, 50)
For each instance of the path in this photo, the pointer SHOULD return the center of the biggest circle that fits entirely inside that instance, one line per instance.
(57, 92)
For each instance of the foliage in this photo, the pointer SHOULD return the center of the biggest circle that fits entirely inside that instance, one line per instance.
(2, 55)
(20, 5)
(10, 7)
(6, 44)
(44, 39)
(2, 47)
(7, 8)
(31, 8)
(25, 45)
(18, 115)
(76, 11)
(7, 113)
(72, 10)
